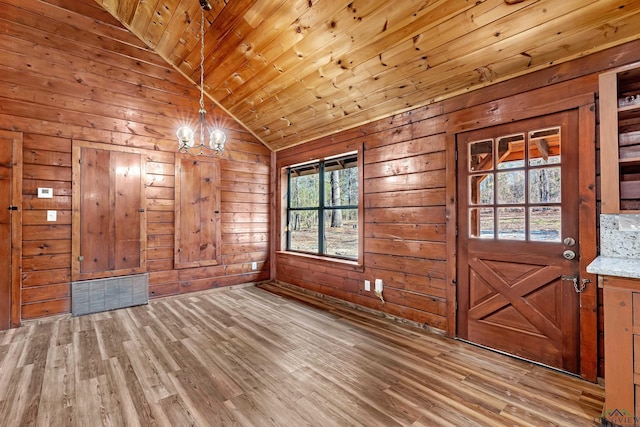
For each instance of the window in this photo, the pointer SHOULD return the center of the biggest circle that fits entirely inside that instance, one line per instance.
(514, 187)
(322, 207)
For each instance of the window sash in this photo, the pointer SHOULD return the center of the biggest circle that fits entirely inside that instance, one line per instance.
(320, 168)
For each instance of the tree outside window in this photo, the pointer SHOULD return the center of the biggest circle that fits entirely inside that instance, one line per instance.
(322, 213)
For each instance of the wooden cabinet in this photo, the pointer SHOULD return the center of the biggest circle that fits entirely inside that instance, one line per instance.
(622, 350)
(197, 212)
(620, 139)
(109, 211)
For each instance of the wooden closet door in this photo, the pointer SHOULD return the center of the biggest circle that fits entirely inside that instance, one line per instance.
(109, 218)
(10, 227)
(5, 232)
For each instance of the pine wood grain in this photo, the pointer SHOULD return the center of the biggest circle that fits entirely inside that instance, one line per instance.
(71, 75)
(250, 357)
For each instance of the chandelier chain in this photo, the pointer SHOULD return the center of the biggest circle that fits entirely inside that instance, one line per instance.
(214, 146)
(202, 59)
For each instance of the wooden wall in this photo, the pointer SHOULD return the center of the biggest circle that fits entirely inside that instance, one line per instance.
(70, 72)
(404, 219)
(405, 181)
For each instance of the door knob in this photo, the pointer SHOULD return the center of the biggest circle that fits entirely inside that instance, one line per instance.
(569, 254)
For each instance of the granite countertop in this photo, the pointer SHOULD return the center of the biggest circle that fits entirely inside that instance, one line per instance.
(613, 266)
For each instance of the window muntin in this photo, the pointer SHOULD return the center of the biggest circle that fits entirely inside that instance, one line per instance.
(515, 187)
(322, 207)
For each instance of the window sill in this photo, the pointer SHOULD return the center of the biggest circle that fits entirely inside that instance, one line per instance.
(317, 259)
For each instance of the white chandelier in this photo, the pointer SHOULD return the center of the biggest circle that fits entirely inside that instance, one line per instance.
(186, 135)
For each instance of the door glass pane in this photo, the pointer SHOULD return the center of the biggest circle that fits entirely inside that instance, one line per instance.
(510, 151)
(481, 155)
(544, 185)
(544, 147)
(341, 232)
(511, 223)
(545, 224)
(481, 222)
(481, 189)
(304, 231)
(511, 188)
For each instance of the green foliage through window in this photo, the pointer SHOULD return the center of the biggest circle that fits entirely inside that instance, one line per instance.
(322, 207)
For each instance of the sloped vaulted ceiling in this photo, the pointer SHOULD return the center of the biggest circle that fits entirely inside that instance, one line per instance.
(294, 70)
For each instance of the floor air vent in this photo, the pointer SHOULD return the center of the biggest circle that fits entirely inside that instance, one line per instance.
(93, 296)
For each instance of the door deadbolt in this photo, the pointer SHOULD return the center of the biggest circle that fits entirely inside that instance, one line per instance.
(569, 254)
(569, 241)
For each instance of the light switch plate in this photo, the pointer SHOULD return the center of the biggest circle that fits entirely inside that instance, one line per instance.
(52, 216)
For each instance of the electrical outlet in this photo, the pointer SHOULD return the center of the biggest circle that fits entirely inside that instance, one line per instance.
(254, 265)
(378, 285)
(367, 285)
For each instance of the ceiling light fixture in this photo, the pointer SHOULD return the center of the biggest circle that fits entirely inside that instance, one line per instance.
(186, 135)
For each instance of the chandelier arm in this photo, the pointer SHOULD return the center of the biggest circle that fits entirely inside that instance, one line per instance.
(186, 136)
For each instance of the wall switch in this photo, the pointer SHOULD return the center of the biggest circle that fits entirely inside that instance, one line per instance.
(367, 285)
(45, 193)
(254, 265)
(52, 215)
(378, 285)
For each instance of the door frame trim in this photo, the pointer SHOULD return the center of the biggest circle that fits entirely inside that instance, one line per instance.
(491, 114)
(16, 225)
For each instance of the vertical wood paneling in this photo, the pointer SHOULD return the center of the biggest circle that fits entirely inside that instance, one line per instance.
(6, 162)
(127, 210)
(95, 226)
(85, 79)
(197, 212)
(188, 223)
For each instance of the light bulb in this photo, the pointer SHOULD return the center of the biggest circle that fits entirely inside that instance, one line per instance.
(217, 139)
(185, 136)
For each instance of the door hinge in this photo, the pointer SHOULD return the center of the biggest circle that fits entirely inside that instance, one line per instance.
(13, 208)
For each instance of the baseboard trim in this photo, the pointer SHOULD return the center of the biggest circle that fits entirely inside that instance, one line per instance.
(339, 302)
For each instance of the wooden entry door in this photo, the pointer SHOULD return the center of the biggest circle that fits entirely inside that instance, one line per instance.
(10, 227)
(518, 215)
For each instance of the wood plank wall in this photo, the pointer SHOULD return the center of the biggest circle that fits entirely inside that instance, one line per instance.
(69, 71)
(404, 184)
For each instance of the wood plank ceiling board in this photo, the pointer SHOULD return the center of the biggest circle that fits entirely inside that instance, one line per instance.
(295, 70)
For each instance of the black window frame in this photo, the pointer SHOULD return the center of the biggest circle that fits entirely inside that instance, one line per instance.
(350, 160)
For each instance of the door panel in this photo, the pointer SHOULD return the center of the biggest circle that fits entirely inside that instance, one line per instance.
(10, 227)
(109, 219)
(518, 201)
(6, 159)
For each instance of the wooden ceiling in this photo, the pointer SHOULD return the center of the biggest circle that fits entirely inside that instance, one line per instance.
(294, 70)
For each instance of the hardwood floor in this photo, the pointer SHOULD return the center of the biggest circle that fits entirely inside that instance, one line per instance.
(249, 357)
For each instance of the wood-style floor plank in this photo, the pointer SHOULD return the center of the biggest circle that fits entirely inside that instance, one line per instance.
(269, 357)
